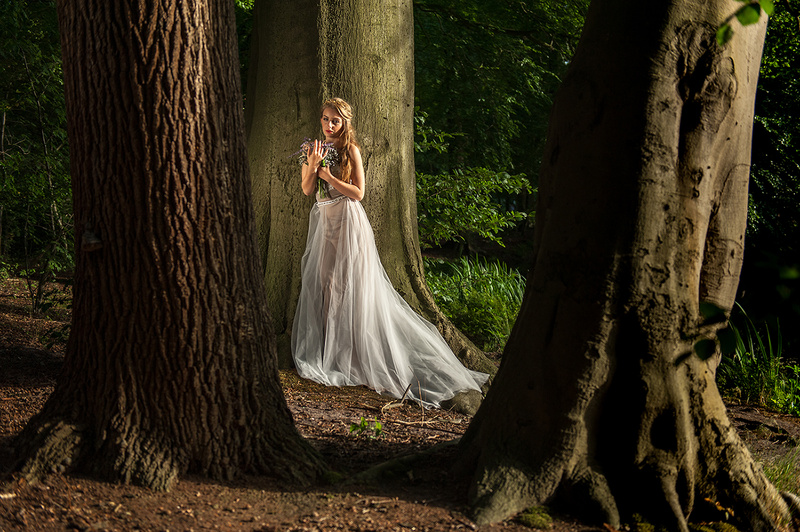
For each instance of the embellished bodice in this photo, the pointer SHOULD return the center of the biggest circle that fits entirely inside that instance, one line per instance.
(330, 192)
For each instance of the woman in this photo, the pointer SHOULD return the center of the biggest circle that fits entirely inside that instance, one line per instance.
(351, 327)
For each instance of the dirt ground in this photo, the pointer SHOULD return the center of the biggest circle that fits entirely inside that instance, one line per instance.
(427, 498)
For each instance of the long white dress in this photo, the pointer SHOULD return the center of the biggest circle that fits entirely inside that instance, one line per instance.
(351, 327)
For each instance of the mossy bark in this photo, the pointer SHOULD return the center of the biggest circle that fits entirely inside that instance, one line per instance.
(601, 403)
(362, 51)
(170, 364)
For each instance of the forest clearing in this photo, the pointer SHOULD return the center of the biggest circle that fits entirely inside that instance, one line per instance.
(426, 497)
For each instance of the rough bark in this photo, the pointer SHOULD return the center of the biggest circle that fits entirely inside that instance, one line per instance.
(600, 402)
(170, 364)
(362, 51)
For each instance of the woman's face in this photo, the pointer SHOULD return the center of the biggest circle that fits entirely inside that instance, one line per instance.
(332, 123)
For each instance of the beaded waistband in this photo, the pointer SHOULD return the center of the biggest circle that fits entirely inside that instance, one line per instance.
(330, 201)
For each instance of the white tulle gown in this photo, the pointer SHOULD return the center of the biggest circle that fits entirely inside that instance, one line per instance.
(351, 327)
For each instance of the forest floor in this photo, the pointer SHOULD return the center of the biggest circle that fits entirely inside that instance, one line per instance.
(428, 497)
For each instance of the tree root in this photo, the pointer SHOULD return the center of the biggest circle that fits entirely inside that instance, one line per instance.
(397, 467)
(793, 502)
(57, 447)
(506, 490)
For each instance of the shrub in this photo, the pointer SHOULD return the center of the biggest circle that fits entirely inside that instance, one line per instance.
(482, 298)
(756, 372)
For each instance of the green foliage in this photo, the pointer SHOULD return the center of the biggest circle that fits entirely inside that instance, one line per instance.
(35, 195)
(372, 428)
(5, 270)
(773, 232)
(749, 13)
(451, 207)
(480, 297)
(757, 373)
(487, 72)
(244, 31)
(465, 202)
(56, 337)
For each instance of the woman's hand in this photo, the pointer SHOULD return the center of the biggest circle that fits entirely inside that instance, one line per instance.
(324, 173)
(310, 171)
(315, 155)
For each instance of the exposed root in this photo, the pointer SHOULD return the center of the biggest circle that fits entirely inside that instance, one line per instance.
(56, 447)
(590, 492)
(793, 502)
(397, 467)
(500, 492)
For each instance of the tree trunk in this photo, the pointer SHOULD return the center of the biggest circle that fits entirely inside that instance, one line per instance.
(170, 365)
(362, 51)
(600, 402)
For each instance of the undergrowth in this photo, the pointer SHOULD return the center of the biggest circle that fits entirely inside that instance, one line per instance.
(481, 297)
(756, 372)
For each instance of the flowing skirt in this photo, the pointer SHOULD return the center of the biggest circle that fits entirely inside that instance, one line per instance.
(351, 327)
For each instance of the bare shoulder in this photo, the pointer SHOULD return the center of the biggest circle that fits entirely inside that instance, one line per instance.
(354, 151)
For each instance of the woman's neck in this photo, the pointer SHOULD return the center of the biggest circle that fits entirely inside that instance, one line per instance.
(336, 141)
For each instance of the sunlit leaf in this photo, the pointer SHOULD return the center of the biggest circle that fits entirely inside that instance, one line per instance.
(748, 14)
(724, 34)
(768, 6)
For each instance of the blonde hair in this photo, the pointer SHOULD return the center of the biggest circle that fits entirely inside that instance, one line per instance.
(347, 135)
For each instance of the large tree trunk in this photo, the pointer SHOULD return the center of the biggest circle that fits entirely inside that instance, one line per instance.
(600, 401)
(362, 51)
(170, 364)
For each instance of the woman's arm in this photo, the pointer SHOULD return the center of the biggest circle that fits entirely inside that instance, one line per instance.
(309, 182)
(355, 189)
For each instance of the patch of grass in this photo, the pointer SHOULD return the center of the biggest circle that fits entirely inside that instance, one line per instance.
(756, 372)
(481, 297)
(782, 471)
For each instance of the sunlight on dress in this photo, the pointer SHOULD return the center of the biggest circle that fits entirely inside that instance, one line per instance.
(351, 327)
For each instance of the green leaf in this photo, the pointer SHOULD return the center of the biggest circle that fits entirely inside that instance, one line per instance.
(768, 6)
(790, 272)
(724, 34)
(705, 349)
(748, 14)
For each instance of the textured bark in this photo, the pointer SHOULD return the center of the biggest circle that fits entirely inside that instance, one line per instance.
(362, 51)
(600, 402)
(170, 364)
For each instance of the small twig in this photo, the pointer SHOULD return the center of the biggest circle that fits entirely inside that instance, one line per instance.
(420, 424)
(406, 392)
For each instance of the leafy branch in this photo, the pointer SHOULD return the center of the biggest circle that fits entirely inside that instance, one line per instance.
(748, 14)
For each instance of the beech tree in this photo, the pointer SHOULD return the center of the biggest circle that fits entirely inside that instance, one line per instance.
(170, 365)
(605, 400)
(362, 51)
